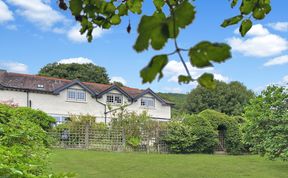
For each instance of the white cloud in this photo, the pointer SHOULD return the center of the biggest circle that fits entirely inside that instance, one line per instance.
(38, 12)
(79, 60)
(119, 79)
(14, 67)
(75, 35)
(260, 43)
(5, 14)
(285, 79)
(174, 68)
(173, 89)
(279, 26)
(277, 61)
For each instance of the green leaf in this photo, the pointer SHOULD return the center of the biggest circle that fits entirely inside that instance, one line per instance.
(184, 14)
(245, 27)
(135, 6)
(154, 68)
(115, 19)
(159, 4)
(110, 8)
(184, 79)
(234, 3)
(204, 52)
(259, 13)
(153, 30)
(76, 7)
(232, 21)
(247, 6)
(207, 80)
(122, 10)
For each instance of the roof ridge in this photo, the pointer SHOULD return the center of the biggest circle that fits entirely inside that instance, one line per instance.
(40, 76)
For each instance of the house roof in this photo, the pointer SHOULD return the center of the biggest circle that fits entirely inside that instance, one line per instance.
(53, 85)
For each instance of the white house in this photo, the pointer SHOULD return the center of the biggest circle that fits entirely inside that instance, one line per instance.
(61, 98)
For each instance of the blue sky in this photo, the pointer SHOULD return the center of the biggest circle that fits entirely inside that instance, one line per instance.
(36, 32)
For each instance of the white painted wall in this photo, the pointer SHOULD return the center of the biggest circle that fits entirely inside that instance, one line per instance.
(19, 98)
(58, 104)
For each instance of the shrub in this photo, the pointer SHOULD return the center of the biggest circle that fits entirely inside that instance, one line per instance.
(193, 135)
(233, 141)
(23, 145)
(36, 116)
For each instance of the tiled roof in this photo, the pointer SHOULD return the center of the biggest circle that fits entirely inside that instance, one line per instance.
(50, 84)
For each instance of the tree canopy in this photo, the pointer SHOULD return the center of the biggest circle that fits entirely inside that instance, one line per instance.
(83, 72)
(166, 22)
(226, 98)
(266, 130)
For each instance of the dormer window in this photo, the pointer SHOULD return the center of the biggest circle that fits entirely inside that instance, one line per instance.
(76, 95)
(114, 99)
(148, 102)
(40, 86)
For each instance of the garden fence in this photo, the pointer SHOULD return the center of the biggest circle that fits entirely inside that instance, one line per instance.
(109, 139)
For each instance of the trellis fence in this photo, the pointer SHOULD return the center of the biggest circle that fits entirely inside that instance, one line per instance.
(109, 139)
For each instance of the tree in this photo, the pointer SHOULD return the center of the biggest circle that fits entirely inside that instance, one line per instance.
(177, 99)
(167, 21)
(83, 72)
(266, 130)
(226, 98)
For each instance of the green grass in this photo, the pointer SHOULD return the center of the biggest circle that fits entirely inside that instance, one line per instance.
(90, 164)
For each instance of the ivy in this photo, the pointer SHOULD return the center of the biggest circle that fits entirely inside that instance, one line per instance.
(167, 21)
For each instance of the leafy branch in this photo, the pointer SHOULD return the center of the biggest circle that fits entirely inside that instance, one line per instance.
(154, 31)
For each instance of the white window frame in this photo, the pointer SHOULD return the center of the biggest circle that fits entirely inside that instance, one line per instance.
(114, 100)
(148, 99)
(77, 94)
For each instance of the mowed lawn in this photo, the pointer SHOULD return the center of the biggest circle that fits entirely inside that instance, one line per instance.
(90, 164)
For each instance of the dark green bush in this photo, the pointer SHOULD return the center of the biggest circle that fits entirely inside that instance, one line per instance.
(193, 135)
(233, 136)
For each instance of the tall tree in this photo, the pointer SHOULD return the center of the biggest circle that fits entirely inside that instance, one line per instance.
(226, 98)
(83, 72)
(267, 127)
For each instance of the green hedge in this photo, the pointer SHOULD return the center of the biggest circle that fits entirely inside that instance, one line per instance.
(193, 135)
(233, 136)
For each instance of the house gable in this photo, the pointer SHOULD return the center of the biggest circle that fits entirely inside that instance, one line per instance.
(153, 94)
(74, 83)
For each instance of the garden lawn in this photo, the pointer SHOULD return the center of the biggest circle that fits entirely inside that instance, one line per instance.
(90, 164)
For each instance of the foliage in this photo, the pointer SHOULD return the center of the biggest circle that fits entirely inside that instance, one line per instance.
(134, 124)
(23, 144)
(36, 116)
(266, 130)
(166, 22)
(226, 98)
(193, 135)
(233, 135)
(83, 72)
(177, 99)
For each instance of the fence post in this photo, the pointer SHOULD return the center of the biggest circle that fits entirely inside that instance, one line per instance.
(123, 138)
(157, 137)
(86, 135)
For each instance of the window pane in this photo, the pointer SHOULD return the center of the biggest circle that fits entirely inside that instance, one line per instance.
(109, 99)
(81, 96)
(118, 99)
(148, 102)
(71, 95)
